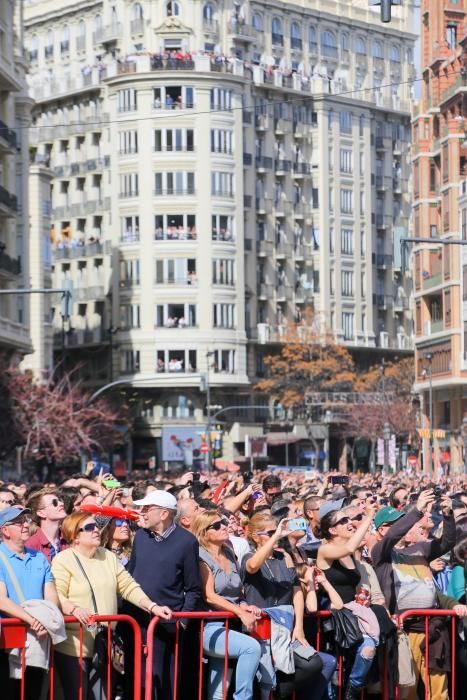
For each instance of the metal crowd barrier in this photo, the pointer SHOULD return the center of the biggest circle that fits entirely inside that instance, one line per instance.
(13, 634)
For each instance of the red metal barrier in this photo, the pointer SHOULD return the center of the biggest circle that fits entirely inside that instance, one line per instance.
(426, 615)
(13, 636)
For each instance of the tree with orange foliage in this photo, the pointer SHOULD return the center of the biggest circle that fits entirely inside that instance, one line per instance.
(308, 361)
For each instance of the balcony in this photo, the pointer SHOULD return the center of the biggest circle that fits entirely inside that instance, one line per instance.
(281, 126)
(301, 210)
(296, 43)
(90, 293)
(383, 301)
(401, 304)
(432, 281)
(137, 25)
(284, 292)
(263, 163)
(108, 35)
(301, 169)
(382, 260)
(277, 39)
(282, 166)
(261, 122)
(242, 31)
(265, 290)
(247, 159)
(8, 203)
(263, 205)
(7, 138)
(10, 265)
(383, 221)
(210, 26)
(264, 248)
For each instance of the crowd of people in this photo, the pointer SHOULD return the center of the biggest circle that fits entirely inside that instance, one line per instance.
(271, 549)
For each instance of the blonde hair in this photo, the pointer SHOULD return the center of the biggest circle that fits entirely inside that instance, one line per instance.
(257, 522)
(72, 523)
(35, 500)
(201, 524)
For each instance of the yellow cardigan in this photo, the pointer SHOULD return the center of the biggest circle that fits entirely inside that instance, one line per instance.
(108, 579)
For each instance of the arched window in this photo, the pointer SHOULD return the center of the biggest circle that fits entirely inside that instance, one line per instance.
(395, 54)
(33, 48)
(49, 46)
(295, 36)
(312, 40)
(328, 44)
(345, 41)
(257, 22)
(81, 28)
(98, 23)
(137, 11)
(172, 9)
(360, 46)
(65, 42)
(377, 49)
(277, 35)
(208, 12)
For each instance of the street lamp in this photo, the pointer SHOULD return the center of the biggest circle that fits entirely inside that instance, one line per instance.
(429, 372)
(386, 438)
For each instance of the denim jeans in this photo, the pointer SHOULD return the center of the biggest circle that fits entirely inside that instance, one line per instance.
(319, 689)
(245, 649)
(362, 663)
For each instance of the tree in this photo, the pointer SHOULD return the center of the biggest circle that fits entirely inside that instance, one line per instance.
(308, 361)
(55, 420)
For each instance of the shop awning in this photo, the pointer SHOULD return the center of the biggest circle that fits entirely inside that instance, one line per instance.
(281, 438)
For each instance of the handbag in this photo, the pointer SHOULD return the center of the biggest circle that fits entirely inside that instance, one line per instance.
(101, 639)
(347, 633)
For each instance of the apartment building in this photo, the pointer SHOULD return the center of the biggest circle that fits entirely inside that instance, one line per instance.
(439, 172)
(15, 104)
(218, 173)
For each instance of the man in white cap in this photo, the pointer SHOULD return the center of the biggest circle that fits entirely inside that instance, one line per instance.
(165, 562)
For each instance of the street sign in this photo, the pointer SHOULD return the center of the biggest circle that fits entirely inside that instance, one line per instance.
(204, 448)
(412, 461)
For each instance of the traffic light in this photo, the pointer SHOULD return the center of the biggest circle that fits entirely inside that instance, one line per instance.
(385, 7)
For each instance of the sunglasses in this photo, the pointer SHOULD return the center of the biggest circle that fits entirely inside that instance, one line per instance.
(269, 533)
(90, 527)
(343, 521)
(217, 525)
(358, 517)
(20, 521)
(54, 502)
(7, 503)
(119, 522)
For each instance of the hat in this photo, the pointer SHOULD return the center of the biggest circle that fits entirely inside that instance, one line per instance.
(388, 514)
(280, 508)
(163, 499)
(329, 506)
(11, 513)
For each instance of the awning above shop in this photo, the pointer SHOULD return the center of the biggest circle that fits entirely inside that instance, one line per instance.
(281, 438)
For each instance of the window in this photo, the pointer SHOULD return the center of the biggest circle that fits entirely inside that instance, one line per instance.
(221, 99)
(176, 360)
(347, 241)
(222, 184)
(176, 271)
(331, 200)
(49, 46)
(174, 183)
(128, 142)
(378, 50)
(347, 283)
(348, 325)
(130, 316)
(346, 201)
(330, 119)
(224, 315)
(176, 315)
(345, 122)
(223, 271)
(257, 22)
(173, 97)
(328, 44)
(361, 125)
(447, 308)
(395, 54)
(464, 224)
(345, 42)
(346, 160)
(222, 141)
(175, 227)
(277, 34)
(174, 140)
(295, 36)
(129, 273)
(65, 42)
(362, 243)
(178, 407)
(451, 35)
(331, 240)
(129, 229)
(312, 40)
(222, 228)
(129, 186)
(127, 100)
(224, 361)
(208, 12)
(360, 46)
(129, 361)
(172, 9)
(332, 282)
(33, 48)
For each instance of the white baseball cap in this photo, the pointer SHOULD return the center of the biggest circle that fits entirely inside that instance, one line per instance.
(163, 499)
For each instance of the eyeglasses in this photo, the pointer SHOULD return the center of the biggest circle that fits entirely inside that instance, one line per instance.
(89, 527)
(269, 533)
(358, 517)
(343, 521)
(54, 502)
(119, 522)
(20, 521)
(217, 525)
(7, 502)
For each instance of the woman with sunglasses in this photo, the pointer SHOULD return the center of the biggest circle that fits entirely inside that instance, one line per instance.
(223, 590)
(117, 537)
(89, 579)
(336, 559)
(271, 579)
